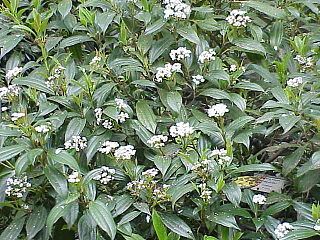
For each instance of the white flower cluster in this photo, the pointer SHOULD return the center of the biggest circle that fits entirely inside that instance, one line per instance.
(74, 177)
(221, 154)
(295, 82)
(160, 192)
(17, 115)
(197, 79)
(207, 56)
(57, 73)
(181, 129)
(176, 8)
(125, 152)
(167, 71)
(17, 186)
(13, 72)
(98, 115)
(233, 68)
(10, 91)
(120, 103)
(150, 173)
(217, 110)
(107, 124)
(43, 128)
(237, 18)
(106, 175)
(122, 117)
(180, 53)
(108, 147)
(259, 198)
(205, 193)
(76, 142)
(202, 167)
(95, 60)
(317, 225)
(283, 229)
(157, 141)
(305, 62)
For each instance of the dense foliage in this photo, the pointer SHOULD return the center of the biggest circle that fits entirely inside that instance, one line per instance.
(153, 119)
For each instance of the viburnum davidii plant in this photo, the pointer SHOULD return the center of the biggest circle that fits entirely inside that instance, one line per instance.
(158, 119)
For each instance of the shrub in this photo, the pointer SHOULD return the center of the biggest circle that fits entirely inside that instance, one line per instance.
(136, 119)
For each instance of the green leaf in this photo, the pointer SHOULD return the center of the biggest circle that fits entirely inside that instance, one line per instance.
(162, 163)
(8, 43)
(36, 221)
(159, 47)
(101, 214)
(146, 116)
(57, 180)
(249, 86)
(291, 161)
(300, 234)
(9, 152)
(56, 212)
(103, 20)
(176, 225)
(71, 41)
(64, 7)
(64, 157)
(233, 193)
(276, 34)
(174, 101)
(7, 132)
(224, 220)
(178, 191)
(102, 93)
(276, 208)
(280, 95)
(266, 9)
(13, 230)
(188, 33)
(86, 229)
(239, 101)
(159, 226)
(249, 45)
(216, 94)
(255, 168)
(74, 128)
(34, 83)
(288, 121)
(157, 25)
(237, 124)
(128, 217)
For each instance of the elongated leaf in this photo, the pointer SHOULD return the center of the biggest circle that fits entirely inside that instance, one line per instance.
(249, 86)
(157, 25)
(86, 230)
(177, 225)
(34, 83)
(71, 41)
(249, 45)
(256, 168)
(224, 220)
(159, 47)
(291, 161)
(129, 217)
(188, 33)
(8, 43)
(266, 9)
(9, 152)
(74, 128)
(276, 208)
(233, 193)
(101, 214)
(287, 122)
(159, 226)
(216, 94)
(300, 234)
(146, 116)
(64, 7)
(56, 212)
(57, 180)
(174, 101)
(64, 157)
(36, 221)
(13, 230)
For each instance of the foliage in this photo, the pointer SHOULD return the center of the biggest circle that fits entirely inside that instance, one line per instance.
(134, 119)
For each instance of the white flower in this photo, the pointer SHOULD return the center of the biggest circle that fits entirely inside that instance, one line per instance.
(42, 128)
(76, 142)
(122, 117)
(167, 71)
(3, 109)
(16, 115)
(120, 103)
(237, 18)
(95, 60)
(283, 229)
(74, 177)
(157, 141)
(108, 147)
(16, 186)
(233, 68)
(150, 172)
(25, 206)
(12, 90)
(295, 82)
(13, 72)
(259, 198)
(180, 53)
(205, 193)
(317, 226)
(181, 129)
(197, 79)
(305, 62)
(176, 8)
(107, 124)
(207, 56)
(106, 175)
(125, 152)
(98, 115)
(217, 110)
